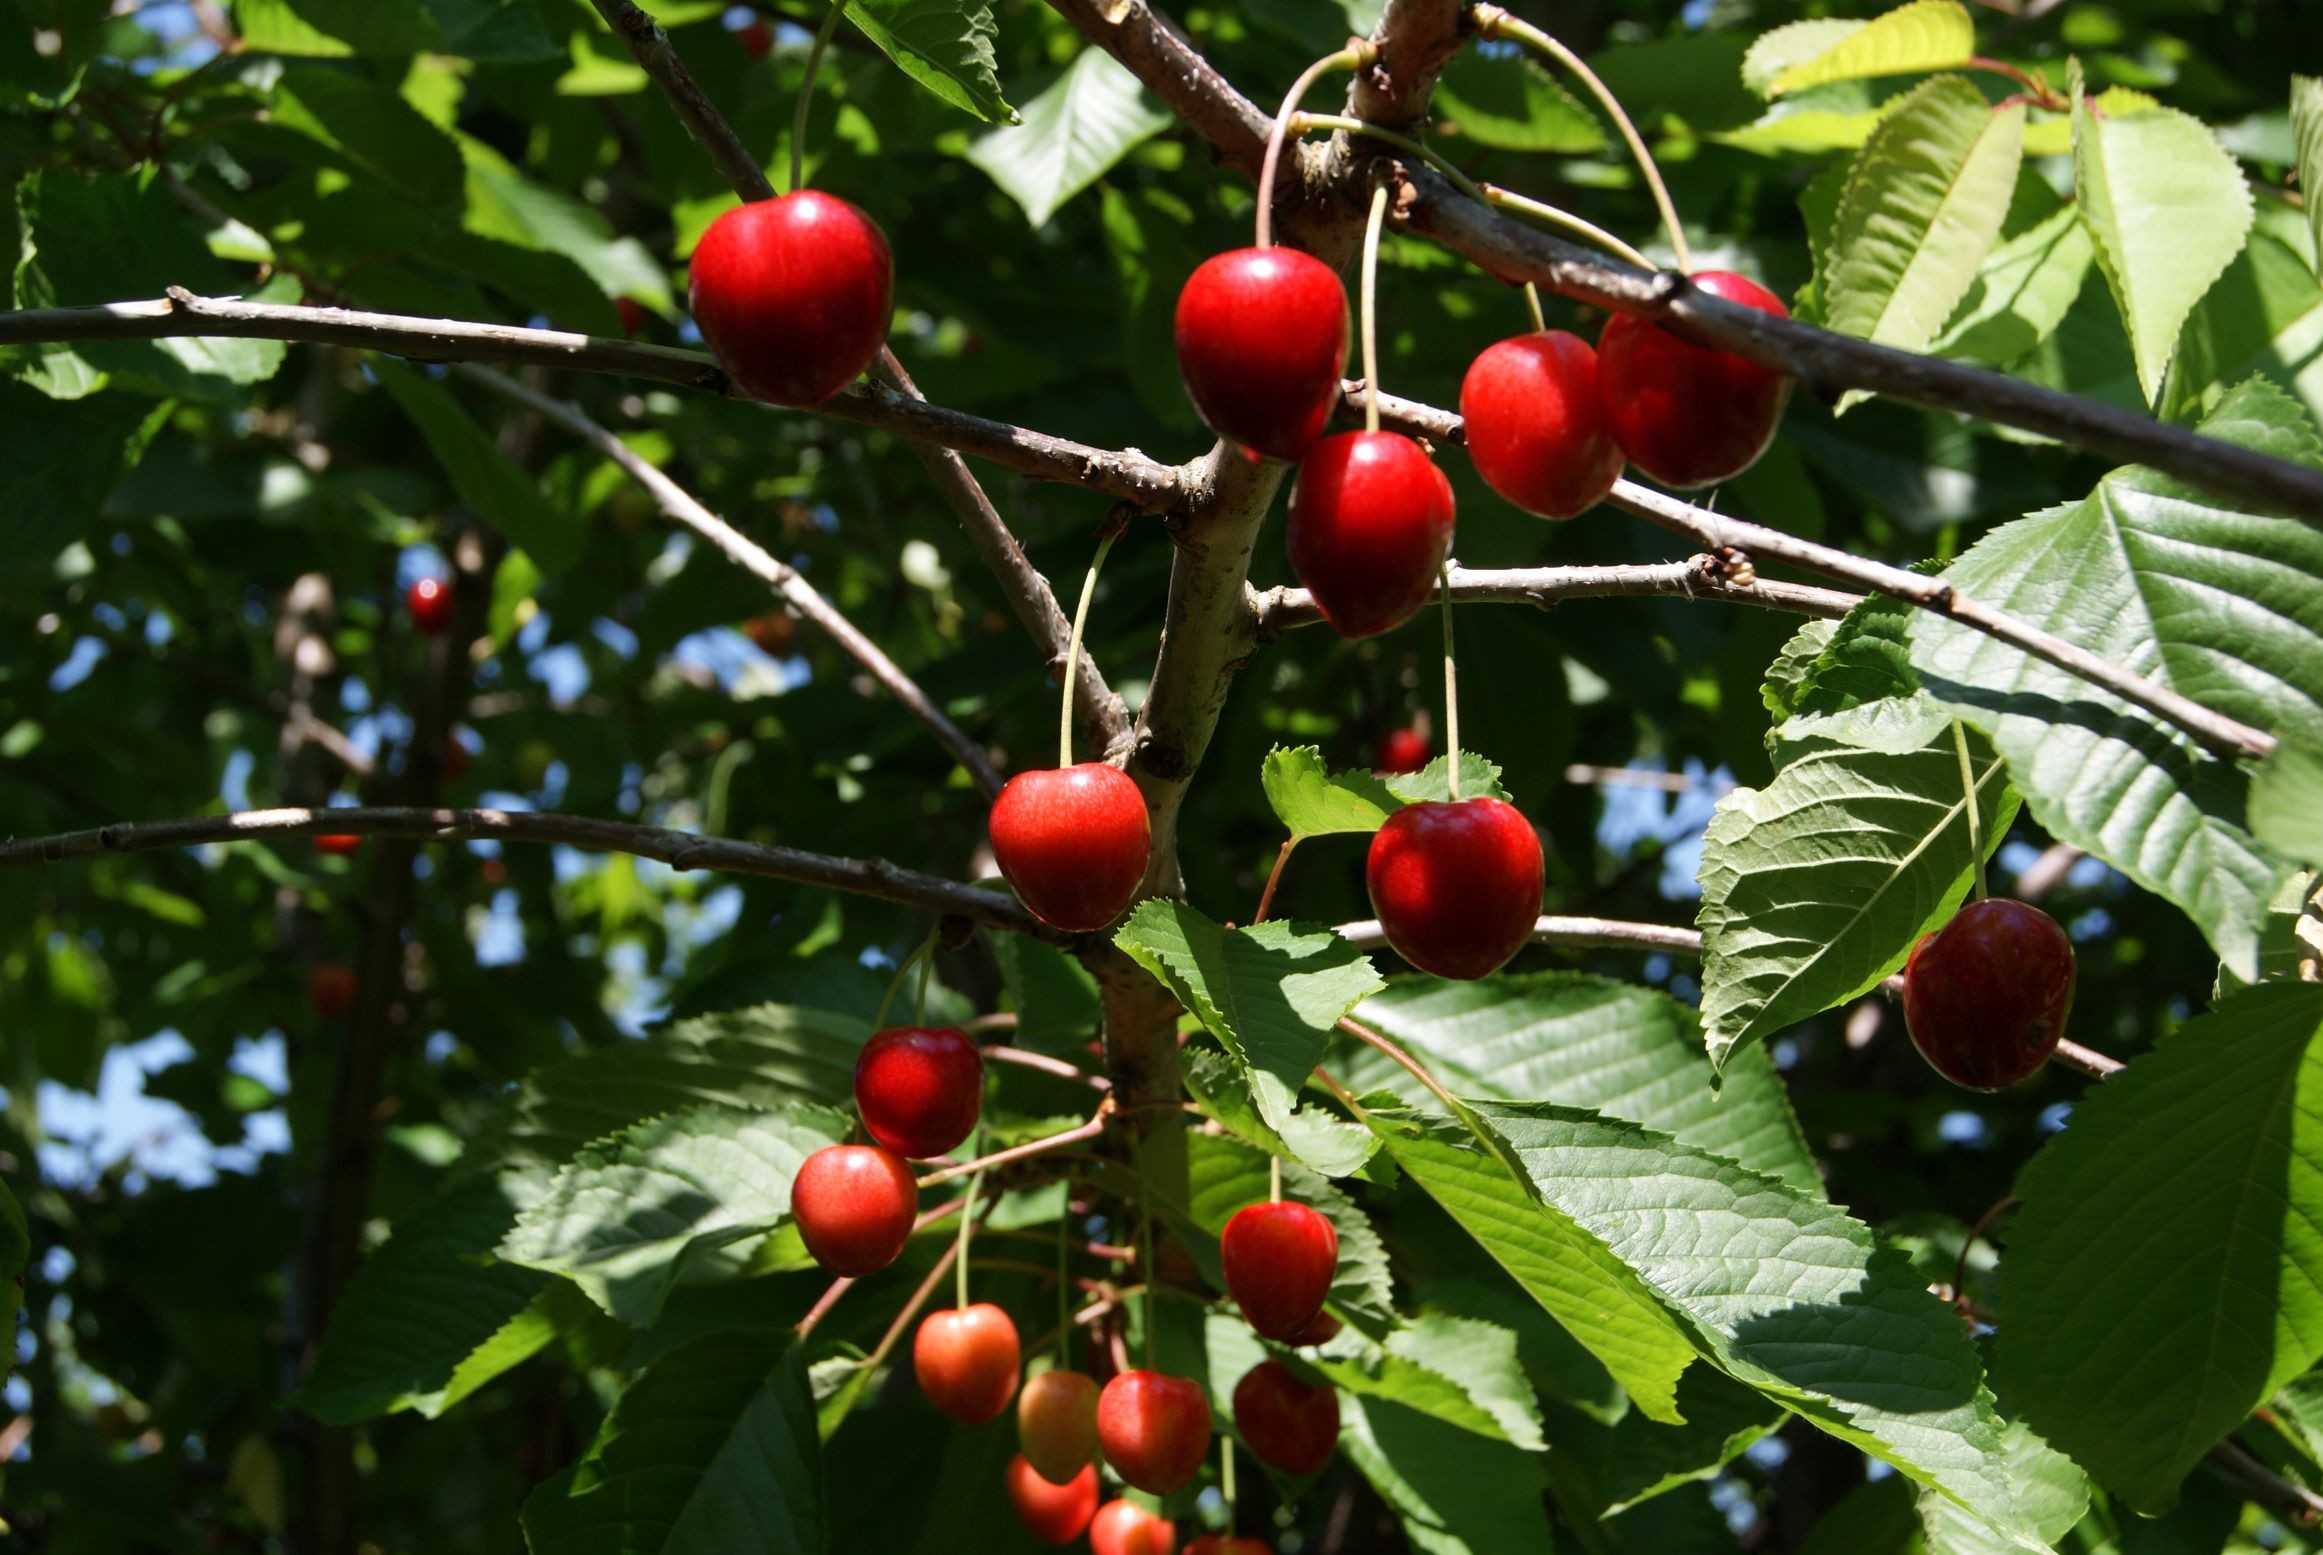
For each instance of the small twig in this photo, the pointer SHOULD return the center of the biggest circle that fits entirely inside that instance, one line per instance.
(2086, 1059)
(649, 46)
(1002, 1053)
(1281, 609)
(1968, 1245)
(1611, 933)
(1025, 1152)
(1411, 1065)
(844, 1283)
(1273, 877)
(2295, 1503)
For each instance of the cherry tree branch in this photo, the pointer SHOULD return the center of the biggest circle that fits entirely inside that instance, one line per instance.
(1606, 933)
(650, 47)
(1028, 1150)
(1701, 577)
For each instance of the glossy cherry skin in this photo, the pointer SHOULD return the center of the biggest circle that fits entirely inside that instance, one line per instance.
(1986, 995)
(1289, 1425)
(1262, 345)
(331, 990)
(920, 1088)
(1322, 1330)
(1402, 750)
(1154, 1429)
(1370, 525)
(967, 1361)
(1125, 1528)
(338, 844)
(1073, 842)
(794, 295)
(1685, 414)
(756, 38)
(1279, 1259)
(1456, 885)
(1227, 1544)
(1534, 425)
(854, 1205)
(430, 603)
(1056, 1423)
(1053, 1514)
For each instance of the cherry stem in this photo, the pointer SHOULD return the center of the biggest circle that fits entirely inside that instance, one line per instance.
(967, 1223)
(1145, 1245)
(1073, 647)
(919, 1009)
(911, 1309)
(1968, 1245)
(1509, 199)
(1413, 1066)
(895, 983)
(2039, 90)
(1274, 1179)
(798, 121)
(1451, 691)
(1371, 308)
(1065, 1283)
(1968, 792)
(1266, 895)
(1226, 1476)
(1071, 1136)
(1353, 57)
(1493, 22)
(1339, 121)
(1532, 301)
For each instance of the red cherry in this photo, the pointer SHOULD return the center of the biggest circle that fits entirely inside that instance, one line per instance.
(773, 632)
(1457, 885)
(1073, 842)
(920, 1088)
(1056, 1423)
(1685, 414)
(1053, 1514)
(1402, 750)
(756, 38)
(967, 1361)
(1370, 525)
(1125, 1528)
(1154, 1429)
(633, 315)
(331, 990)
(794, 295)
(1287, 1424)
(1279, 1259)
(854, 1205)
(430, 603)
(1986, 995)
(455, 760)
(1227, 1544)
(1322, 1330)
(1534, 426)
(1262, 342)
(338, 844)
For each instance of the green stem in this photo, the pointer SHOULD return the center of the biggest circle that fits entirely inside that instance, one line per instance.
(967, 1223)
(1509, 199)
(919, 1013)
(1349, 58)
(1274, 1179)
(1968, 790)
(1073, 651)
(1532, 300)
(1065, 1282)
(895, 983)
(1371, 308)
(1451, 690)
(1339, 121)
(1226, 1475)
(798, 121)
(1145, 1244)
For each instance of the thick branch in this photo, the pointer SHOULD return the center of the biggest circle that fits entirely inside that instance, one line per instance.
(649, 46)
(1134, 33)
(1609, 933)
(1416, 39)
(1280, 609)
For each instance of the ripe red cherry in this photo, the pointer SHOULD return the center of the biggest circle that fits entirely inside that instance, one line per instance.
(854, 1205)
(1685, 414)
(1322, 1330)
(1073, 842)
(632, 314)
(756, 38)
(794, 295)
(1534, 426)
(1289, 1425)
(1457, 885)
(1279, 1259)
(1227, 1544)
(967, 1361)
(1986, 995)
(1056, 1423)
(1262, 342)
(1370, 526)
(430, 603)
(1402, 750)
(1125, 1528)
(920, 1088)
(337, 844)
(1154, 1429)
(331, 990)
(1053, 1514)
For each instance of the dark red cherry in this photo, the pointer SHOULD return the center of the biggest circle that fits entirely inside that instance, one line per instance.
(1685, 414)
(1370, 526)
(920, 1088)
(1402, 750)
(756, 37)
(1322, 1330)
(331, 990)
(1053, 1514)
(1073, 842)
(1534, 427)
(338, 844)
(1262, 345)
(794, 295)
(967, 1361)
(632, 314)
(1456, 885)
(430, 603)
(1285, 1422)
(854, 1205)
(1153, 1429)
(1279, 1260)
(1986, 995)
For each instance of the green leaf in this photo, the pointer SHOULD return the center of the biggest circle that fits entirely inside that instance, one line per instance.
(1480, 1359)
(336, 27)
(506, 204)
(1922, 36)
(15, 1253)
(2167, 209)
(374, 130)
(58, 461)
(1815, 887)
(1616, 1048)
(2195, 1177)
(2307, 127)
(1479, 779)
(2049, 1489)
(1456, 1494)
(2220, 605)
(944, 45)
(1070, 136)
(1839, 117)
(1791, 45)
(1312, 1136)
(712, 1451)
(493, 486)
(1057, 1006)
(1511, 104)
(1921, 210)
(1312, 801)
(2021, 293)
(2286, 801)
(633, 1214)
(2264, 318)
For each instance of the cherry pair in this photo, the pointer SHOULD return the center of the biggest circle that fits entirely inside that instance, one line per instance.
(919, 1091)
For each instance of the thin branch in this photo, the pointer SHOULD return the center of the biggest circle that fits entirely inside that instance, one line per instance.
(649, 46)
(1280, 609)
(1002, 1053)
(1025, 1152)
(1608, 933)
(846, 1282)
(679, 850)
(2087, 1059)
(2294, 1503)
(681, 507)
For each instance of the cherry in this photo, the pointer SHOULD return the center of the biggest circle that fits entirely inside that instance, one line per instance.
(967, 1361)
(773, 631)
(854, 1205)
(756, 38)
(1534, 426)
(337, 844)
(1227, 1544)
(331, 990)
(1154, 1429)
(1073, 842)
(1286, 1423)
(1053, 1514)
(1125, 1528)
(1056, 1423)
(1457, 885)
(1685, 414)
(430, 603)
(1402, 750)
(1279, 1259)
(1370, 525)
(1985, 996)
(1322, 1330)
(794, 295)
(454, 762)
(1262, 342)
(632, 314)
(920, 1088)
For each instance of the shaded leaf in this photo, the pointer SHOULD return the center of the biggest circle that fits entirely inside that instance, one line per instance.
(1921, 36)
(944, 45)
(1070, 135)
(2021, 293)
(1511, 104)
(492, 485)
(2307, 128)
(1456, 1495)
(59, 459)
(1315, 1137)
(2286, 801)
